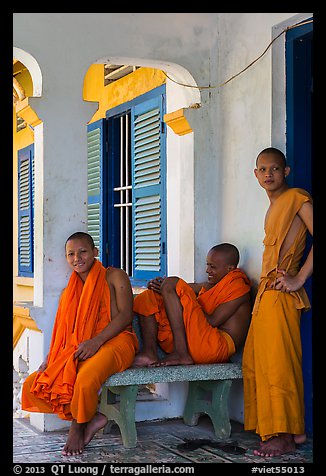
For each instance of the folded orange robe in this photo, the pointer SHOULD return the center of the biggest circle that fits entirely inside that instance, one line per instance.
(69, 387)
(206, 344)
(271, 364)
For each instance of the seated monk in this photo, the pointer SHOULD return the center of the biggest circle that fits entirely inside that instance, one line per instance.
(92, 338)
(196, 323)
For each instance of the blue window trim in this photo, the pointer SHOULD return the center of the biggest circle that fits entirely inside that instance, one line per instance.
(139, 278)
(26, 154)
(153, 190)
(100, 124)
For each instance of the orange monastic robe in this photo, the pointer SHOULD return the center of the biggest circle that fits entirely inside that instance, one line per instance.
(206, 344)
(69, 387)
(272, 373)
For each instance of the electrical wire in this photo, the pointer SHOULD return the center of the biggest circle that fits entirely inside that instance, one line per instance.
(247, 67)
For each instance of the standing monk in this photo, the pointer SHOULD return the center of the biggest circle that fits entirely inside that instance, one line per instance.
(92, 339)
(197, 323)
(272, 358)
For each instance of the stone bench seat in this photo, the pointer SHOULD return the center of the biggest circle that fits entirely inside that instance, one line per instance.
(209, 387)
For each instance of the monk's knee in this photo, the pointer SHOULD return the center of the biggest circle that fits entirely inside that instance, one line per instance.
(29, 381)
(169, 284)
(86, 384)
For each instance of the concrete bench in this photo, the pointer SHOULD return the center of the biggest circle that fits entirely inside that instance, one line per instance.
(209, 387)
(208, 392)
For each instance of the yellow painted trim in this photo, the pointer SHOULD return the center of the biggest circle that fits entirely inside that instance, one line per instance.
(178, 122)
(24, 281)
(25, 111)
(21, 321)
(123, 90)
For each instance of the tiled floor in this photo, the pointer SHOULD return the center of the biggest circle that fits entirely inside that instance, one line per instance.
(158, 442)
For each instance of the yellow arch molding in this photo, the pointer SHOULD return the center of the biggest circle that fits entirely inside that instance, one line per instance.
(27, 113)
(22, 320)
(18, 91)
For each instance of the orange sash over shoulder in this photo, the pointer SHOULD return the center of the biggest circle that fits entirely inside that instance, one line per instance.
(232, 286)
(205, 343)
(77, 320)
(208, 344)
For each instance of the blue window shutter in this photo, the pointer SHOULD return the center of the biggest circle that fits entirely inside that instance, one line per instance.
(148, 152)
(26, 211)
(94, 183)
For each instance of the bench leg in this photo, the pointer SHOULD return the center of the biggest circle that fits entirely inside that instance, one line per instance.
(210, 397)
(123, 413)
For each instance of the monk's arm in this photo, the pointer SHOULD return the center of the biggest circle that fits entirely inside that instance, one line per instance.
(121, 313)
(226, 310)
(293, 283)
(306, 215)
(122, 303)
(196, 287)
(156, 283)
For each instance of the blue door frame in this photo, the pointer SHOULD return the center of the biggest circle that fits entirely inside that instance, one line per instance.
(299, 150)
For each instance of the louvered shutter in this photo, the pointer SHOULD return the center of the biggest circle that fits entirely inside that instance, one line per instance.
(94, 182)
(26, 211)
(148, 189)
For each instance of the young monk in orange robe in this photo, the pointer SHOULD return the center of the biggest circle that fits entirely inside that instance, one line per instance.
(92, 339)
(272, 373)
(196, 323)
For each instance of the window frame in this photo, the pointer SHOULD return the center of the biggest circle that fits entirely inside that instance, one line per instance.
(26, 211)
(109, 240)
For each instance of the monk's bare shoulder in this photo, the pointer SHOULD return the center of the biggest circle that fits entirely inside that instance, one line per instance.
(117, 277)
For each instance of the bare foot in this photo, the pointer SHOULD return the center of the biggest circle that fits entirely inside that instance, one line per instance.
(174, 359)
(93, 426)
(299, 439)
(144, 360)
(277, 445)
(75, 441)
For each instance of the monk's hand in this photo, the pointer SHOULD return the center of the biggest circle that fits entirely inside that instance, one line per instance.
(43, 365)
(155, 284)
(287, 283)
(87, 349)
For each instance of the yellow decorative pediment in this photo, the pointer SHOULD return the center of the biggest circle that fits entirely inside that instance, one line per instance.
(21, 321)
(27, 113)
(178, 122)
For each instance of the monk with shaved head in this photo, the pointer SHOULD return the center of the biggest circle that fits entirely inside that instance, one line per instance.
(272, 358)
(197, 323)
(92, 339)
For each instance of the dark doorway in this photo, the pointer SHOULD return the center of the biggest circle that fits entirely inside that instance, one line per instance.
(299, 150)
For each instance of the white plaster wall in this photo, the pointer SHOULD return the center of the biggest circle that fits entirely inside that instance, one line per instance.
(169, 404)
(26, 349)
(64, 45)
(232, 126)
(26, 359)
(250, 115)
(244, 122)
